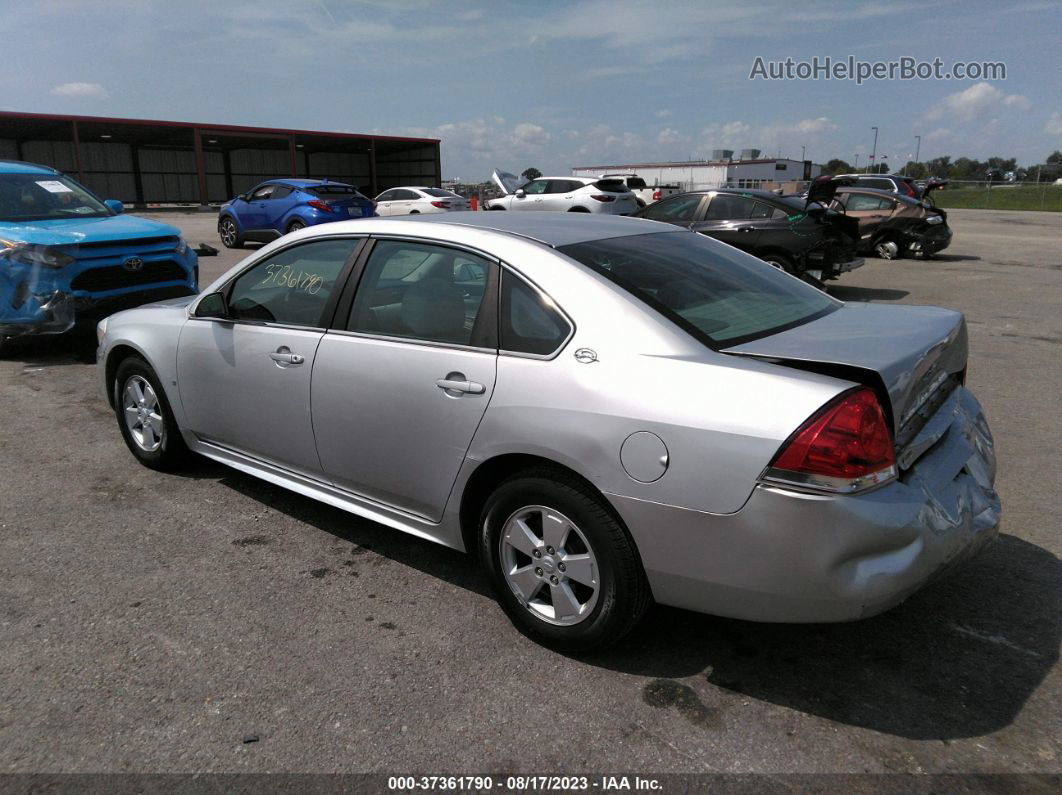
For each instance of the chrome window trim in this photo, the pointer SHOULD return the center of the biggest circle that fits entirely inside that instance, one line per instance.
(411, 340)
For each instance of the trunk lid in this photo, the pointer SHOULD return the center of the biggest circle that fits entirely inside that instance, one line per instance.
(507, 183)
(823, 189)
(907, 353)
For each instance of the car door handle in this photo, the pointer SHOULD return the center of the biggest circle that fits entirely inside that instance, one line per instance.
(469, 387)
(284, 356)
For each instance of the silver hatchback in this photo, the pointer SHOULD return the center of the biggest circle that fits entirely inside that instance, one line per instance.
(608, 411)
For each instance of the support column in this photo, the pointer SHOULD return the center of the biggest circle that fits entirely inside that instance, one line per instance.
(372, 168)
(200, 169)
(291, 156)
(438, 164)
(226, 165)
(77, 152)
(138, 180)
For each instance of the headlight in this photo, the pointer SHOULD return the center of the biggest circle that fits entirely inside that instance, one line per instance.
(40, 255)
(934, 219)
(182, 245)
(101, 331)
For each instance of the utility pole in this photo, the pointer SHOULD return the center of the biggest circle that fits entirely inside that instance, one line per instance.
(918, 147)
(874, 154)
(855, 168)
(802, 148)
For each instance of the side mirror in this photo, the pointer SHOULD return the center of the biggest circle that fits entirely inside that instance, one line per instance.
(114, 206)
(213, 305)
(519, 193)
(242, 197)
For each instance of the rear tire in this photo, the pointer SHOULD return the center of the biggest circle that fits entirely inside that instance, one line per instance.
(778, 261)
(296, 225)
(576, 583)
(145, 418)
(229, 233)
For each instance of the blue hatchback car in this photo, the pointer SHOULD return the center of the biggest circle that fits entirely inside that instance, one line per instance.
(67, 257)
(279, 206)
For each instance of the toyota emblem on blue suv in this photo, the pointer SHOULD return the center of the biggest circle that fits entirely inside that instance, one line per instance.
(133, 264)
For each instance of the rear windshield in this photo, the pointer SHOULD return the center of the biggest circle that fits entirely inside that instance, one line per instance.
(442, 194)
(611, 186)
(635, 182)
(717, 293)
(332, 191)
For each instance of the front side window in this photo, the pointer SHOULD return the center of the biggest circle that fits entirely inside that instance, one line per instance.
(38, 197)
(262, 193)
(538, 186)
(386, 196)
(292, 286)
(680, 209)
(717, 293)
(423, 291)
(530, 323)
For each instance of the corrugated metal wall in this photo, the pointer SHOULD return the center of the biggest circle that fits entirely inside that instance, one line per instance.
(413, 166)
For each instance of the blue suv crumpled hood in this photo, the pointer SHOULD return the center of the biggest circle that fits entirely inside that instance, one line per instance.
(72, 231)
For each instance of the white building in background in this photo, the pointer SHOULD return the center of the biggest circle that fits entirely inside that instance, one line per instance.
(750, 171)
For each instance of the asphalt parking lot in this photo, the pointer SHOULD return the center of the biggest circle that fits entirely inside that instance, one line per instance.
(155, 622)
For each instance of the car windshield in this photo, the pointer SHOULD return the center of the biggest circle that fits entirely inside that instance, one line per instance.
(43, 197)
(717, 293)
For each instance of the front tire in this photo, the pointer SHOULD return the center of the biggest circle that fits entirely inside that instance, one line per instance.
(563, 568)
(145, 418)
(229, 233)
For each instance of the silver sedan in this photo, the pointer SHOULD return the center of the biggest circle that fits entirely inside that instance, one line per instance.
(607, 411)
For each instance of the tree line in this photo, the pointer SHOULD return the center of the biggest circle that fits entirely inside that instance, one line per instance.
(995, 169)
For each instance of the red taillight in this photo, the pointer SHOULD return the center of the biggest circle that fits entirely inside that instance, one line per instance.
(602, 197)
(845, 447)
(908, 189)
(657, 195)
(317, 204)
(442, 204)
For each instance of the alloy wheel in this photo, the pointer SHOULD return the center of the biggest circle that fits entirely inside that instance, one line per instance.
(228, 232)
(549, 565)
(143, 414)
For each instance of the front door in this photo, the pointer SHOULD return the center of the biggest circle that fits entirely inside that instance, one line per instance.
(400, 388)
(244, 381)
(257, 210)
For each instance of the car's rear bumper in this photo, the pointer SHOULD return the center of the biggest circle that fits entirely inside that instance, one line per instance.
(794, 557)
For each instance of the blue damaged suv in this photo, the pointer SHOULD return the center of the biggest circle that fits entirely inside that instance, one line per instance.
(68, 258)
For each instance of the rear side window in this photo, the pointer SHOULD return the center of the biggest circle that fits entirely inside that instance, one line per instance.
(717, 293)
(281, 191)
(530, 323)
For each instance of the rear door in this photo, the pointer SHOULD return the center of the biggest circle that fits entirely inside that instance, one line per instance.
(561, 194)
(244, 381)
(401, 382)
(729, 218)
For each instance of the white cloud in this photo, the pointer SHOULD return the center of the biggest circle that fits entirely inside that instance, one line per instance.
(1054, 124)
(669, 137)
(663, 114)
(81, 90)
(976, 102)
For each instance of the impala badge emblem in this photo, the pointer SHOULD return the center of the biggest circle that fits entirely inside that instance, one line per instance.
(133, 264)
(586, 355)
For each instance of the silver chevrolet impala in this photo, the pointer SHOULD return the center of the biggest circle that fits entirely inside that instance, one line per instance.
(606, 410)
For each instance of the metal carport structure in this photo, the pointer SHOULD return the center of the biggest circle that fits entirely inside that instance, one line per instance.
(145, 161)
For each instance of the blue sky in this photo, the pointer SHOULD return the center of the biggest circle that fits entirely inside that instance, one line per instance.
(550, 84)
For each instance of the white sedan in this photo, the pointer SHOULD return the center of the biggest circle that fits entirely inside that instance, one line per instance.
(415, 200)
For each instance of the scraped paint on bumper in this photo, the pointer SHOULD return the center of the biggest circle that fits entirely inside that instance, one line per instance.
(795, 557)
